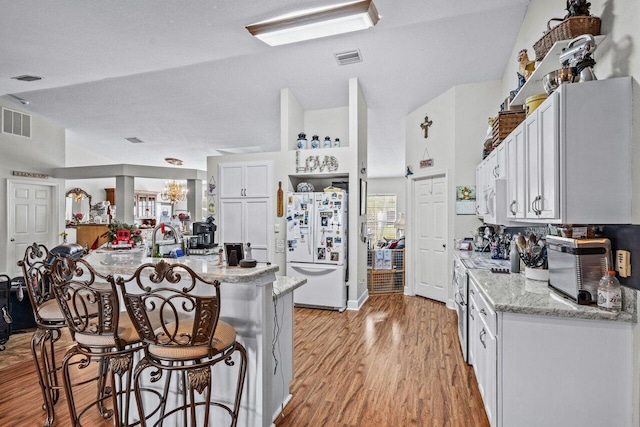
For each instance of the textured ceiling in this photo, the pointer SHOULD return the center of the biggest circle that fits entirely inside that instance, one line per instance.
(188, 79)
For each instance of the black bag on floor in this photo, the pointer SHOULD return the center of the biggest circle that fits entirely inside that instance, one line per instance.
(5, 310)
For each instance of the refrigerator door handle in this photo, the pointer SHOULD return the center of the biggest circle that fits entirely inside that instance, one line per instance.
(312, 269)
(310, 237)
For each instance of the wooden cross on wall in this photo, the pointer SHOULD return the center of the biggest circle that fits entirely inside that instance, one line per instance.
(427, 123)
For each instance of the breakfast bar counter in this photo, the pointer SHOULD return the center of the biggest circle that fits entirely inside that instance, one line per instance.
(251, 298)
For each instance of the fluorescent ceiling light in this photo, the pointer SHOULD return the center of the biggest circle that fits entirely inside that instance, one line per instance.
(317, 23)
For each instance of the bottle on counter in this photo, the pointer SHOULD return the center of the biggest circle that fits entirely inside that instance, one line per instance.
(514, 258)
(610, 293)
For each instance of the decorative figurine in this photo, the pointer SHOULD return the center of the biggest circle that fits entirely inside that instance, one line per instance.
(220, 256)
(577, 8)
(409, 171)
(526, 66)
(247, 252)
(425, 126)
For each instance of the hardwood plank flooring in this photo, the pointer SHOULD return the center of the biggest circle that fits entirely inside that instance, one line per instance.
(396, 362)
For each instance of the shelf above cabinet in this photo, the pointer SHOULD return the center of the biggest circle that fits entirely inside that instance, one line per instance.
(551, 62)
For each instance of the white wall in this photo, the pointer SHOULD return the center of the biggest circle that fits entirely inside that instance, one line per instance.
(617, 56)
(455, 144)
(397, 186)
(42, 153)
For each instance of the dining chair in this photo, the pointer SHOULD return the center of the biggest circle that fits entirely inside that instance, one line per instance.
(176, 313)
(102, 332)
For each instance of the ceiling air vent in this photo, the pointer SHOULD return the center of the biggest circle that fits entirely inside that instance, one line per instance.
(16, 123)
(27, 78)
(350, 57)
(134, 140)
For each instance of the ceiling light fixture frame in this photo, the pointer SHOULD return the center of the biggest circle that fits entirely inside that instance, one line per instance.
(309, 25)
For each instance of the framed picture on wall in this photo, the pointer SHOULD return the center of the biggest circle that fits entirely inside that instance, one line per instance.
(363, 197)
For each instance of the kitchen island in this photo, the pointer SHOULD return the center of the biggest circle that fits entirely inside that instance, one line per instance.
(541, 359)
(250, 300)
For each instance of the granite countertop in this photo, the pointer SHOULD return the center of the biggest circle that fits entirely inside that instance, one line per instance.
(126, 262)
(285, 284)
(512, 293)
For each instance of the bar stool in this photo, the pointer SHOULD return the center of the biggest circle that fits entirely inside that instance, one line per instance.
(91, 307)
(176, 312)
(49, 322)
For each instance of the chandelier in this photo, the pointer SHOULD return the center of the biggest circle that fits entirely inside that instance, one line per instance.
(174, 192)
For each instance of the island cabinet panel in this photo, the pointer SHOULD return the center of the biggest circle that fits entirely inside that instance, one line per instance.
(563, 372)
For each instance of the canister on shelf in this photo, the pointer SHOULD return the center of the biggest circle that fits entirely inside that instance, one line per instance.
(302, 143)
(336, 143)
(327, 142)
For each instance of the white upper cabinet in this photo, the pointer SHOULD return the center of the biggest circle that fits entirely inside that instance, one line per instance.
(575, 154)
(250, 179)
(516, 199)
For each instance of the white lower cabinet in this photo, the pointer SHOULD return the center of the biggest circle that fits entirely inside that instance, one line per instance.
(483, 346)
(535, 370)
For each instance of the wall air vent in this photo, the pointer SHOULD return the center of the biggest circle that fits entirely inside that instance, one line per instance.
(16, 123)
(350, 57)
(27, 78)
(134, 140)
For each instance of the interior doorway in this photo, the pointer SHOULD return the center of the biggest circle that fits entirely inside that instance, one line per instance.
(430, 231)
(32, 217)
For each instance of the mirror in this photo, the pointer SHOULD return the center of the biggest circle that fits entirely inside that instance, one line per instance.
(78, 202)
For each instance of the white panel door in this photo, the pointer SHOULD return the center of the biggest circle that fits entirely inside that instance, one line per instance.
(256, 214)
(430, 219)
(30, 220)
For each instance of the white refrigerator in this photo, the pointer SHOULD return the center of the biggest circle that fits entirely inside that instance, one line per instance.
(317, 247)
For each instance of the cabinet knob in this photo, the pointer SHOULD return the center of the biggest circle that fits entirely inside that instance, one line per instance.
(13, 240)
(483, 311)
(444, 246)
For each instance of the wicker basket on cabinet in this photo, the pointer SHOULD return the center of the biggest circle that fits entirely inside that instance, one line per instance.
(386, 281)
(568, 29)
(506, 122)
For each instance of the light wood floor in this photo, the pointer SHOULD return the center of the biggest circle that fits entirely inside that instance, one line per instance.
(396, 362)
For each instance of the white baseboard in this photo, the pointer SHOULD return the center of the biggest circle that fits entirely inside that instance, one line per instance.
(355, 305)
(278, 411)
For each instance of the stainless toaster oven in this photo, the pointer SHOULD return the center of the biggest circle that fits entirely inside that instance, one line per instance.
(577, 265)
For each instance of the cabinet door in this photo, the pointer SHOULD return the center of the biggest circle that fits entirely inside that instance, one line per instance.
(231, 180)
(479, 191)
(231, 217)
(501, 161)
(491, 170)
(256, 180)
(473, 326)
(256, 228)
(243, 221)
(548, 136)
(532, 166)
(488, 348)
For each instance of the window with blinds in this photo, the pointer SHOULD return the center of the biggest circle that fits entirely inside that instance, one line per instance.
(381, 216)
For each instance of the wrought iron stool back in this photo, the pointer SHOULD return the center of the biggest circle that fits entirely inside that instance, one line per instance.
(91, 307)
(176, 313)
